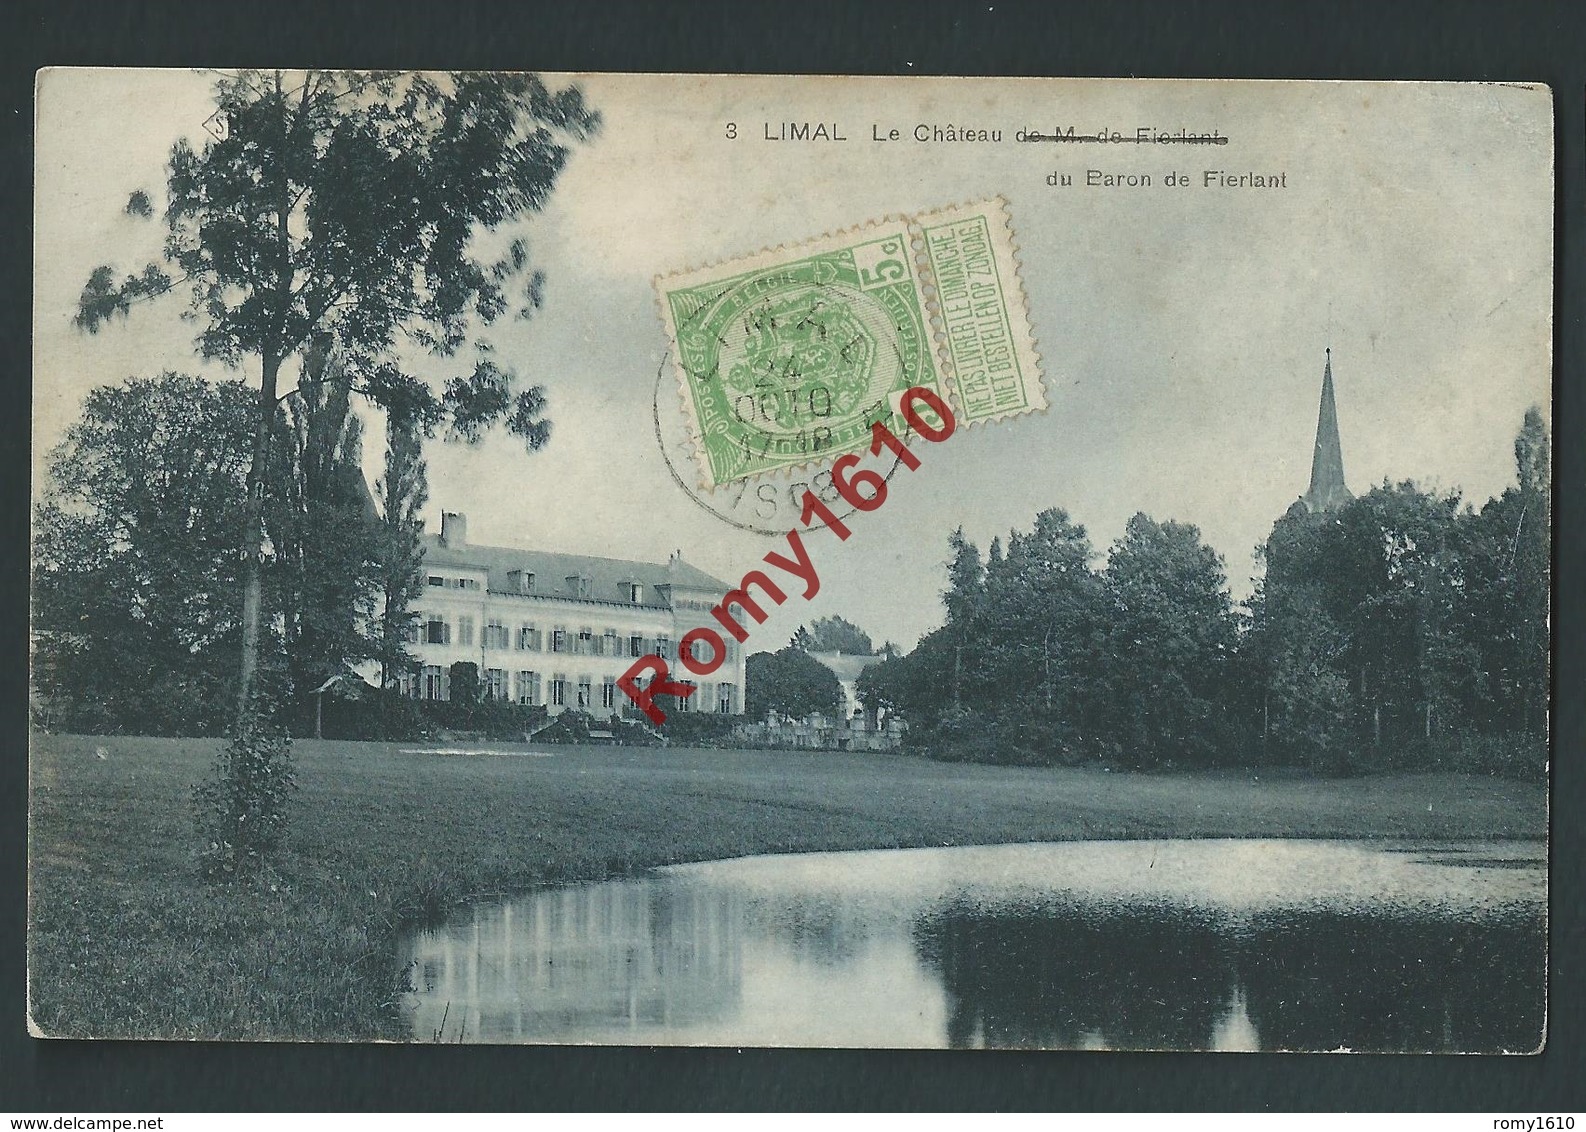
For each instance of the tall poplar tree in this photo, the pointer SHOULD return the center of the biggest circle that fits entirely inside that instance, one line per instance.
(402, 493)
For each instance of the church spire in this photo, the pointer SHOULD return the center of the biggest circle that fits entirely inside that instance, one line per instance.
(1327, 489)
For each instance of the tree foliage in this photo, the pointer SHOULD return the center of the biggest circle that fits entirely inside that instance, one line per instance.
(1402, 629)
(789, 683)
(833, 634)
(325, 566)
(1167, 642)
(403, 491)
(134, 575)
(134, 584)
(371, 208)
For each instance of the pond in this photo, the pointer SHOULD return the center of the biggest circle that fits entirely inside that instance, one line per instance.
(1225, 945)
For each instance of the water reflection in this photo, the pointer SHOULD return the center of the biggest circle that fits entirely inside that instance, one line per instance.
(1108, 977)
(623, 956)
(1134, 945)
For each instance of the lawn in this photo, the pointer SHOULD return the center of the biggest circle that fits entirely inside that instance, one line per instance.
(126, 941)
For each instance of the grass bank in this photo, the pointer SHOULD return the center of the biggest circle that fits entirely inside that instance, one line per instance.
(126, 941)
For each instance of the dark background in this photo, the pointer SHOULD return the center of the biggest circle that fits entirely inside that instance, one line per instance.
(1536, 42)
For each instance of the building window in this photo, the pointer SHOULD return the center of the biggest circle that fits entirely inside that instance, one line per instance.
(495, 634)
(724, 699)
(529, 638)
(528, 688)
(610, 644)
(408, 631)
(434, 682)
(437, 580)
(635, 646)
(559, 690)
(635, 593)
(467, 583)
(586, 642)
(608, 693)
(465, 630)
(437, 632)
(686, 703)
(558, 639)
(495, 684)
(586, 692)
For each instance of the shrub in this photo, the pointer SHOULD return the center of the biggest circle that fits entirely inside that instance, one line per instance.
(384, 716)
(1512, 754)
(496, 719)
(240, 807)
(699, 729)
(1013, 738)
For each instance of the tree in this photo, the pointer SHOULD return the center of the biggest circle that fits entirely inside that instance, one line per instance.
(134, 590)
(323, 531)
(837, 634)
(1040, 612)
(1168, 641)
(403, 492)
(966, 578)
(789, 683)
(1507, 547)
(917, 686)
(463, 682)
(1374, 594)
(1298, 649)
(348, 206)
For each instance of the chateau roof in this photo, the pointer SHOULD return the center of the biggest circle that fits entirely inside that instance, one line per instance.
(608, 577)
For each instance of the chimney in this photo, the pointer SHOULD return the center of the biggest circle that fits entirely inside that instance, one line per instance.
(454, 529)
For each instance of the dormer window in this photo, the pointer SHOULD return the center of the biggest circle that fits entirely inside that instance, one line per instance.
(578, 585)
(635, 592)
(520, 581)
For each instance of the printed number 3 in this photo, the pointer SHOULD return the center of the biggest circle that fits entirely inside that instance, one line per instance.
(732, 129)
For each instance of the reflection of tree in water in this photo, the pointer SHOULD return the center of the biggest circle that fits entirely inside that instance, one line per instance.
(1336, 980)
(1134, 977)
(1154, 978)
(824, 932)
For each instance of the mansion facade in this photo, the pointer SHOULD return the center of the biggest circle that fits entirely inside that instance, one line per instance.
(557, 630)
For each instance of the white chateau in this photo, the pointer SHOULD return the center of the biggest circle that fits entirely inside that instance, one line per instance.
(559, 629)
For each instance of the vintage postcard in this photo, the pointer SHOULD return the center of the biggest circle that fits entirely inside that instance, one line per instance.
(788, 561)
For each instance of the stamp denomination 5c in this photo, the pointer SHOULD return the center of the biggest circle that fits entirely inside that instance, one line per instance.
(789, 356)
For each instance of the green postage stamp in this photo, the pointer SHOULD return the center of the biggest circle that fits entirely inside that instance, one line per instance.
(787, 357)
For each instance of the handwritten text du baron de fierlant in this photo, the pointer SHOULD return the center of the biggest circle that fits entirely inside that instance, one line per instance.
(953, 133)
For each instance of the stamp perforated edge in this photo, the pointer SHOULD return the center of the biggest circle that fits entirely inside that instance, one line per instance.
(1004, 249)
(1016, 305)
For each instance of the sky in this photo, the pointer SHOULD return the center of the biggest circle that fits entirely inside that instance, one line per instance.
(1181, 330)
